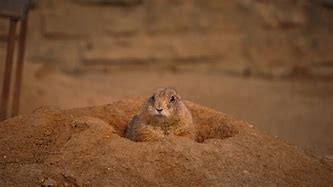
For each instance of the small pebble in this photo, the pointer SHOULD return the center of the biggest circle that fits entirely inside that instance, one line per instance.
(49, 182)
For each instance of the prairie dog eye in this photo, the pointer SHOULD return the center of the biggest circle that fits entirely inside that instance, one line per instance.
(172, 99)
(153, 98)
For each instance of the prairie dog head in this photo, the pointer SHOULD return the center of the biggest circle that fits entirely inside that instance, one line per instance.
(164, 102)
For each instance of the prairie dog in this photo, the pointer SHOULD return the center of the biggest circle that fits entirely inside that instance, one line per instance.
(163, 114)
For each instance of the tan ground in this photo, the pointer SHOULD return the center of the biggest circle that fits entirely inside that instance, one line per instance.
(299, 111)
(85, 147)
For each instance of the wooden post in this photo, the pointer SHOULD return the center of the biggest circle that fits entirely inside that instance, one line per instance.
(19, 67)
(8, 69)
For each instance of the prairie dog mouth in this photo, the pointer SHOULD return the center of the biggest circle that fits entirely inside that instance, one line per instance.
(160, 114)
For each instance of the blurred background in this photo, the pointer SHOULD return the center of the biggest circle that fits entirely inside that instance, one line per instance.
(266, 62)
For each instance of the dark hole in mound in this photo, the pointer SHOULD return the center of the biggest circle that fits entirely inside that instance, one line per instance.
(213, 126)
(214, 131)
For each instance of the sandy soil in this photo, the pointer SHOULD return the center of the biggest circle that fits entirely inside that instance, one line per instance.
(299, 111)
(85, 147)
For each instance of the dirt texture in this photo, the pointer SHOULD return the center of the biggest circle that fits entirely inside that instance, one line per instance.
(85, 146)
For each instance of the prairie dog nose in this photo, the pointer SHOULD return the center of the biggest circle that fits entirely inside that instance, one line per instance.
(159, 110)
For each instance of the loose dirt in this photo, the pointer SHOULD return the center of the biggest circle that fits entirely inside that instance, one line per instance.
(85, 146)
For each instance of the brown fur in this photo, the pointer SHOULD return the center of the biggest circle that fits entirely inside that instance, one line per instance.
(151, 125)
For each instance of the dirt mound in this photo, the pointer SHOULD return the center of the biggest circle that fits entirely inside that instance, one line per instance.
(85, 147)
